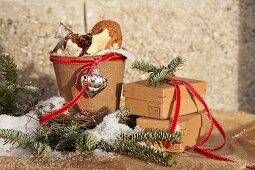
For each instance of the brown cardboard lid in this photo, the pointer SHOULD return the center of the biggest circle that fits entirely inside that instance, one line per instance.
(193, 121)
(164, 93)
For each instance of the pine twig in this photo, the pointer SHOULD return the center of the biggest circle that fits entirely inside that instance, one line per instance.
(157, 78)
(150, 135)
(86, 143)
(142, 66)
(8, 68)
(14, 136)
(40, 151)
(10, 90)
(141, 151)
(175, 64)
(29, 88)
(64, 138)
(161, 74)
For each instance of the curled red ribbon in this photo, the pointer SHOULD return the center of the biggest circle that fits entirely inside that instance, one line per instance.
(207, 152)
(86, 64)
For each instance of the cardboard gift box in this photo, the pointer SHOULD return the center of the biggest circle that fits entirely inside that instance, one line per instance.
(108, 99)
(158, 102)
(192, 127)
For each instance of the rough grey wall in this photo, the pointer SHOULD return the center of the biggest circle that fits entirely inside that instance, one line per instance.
(215, 36)
(246, 58)
(205, 32)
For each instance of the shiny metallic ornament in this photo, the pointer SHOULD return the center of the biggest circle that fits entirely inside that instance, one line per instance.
(96, 83)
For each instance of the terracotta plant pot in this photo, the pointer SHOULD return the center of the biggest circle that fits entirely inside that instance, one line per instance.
(107, 100)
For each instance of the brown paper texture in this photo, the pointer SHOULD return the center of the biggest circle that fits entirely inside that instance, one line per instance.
(158, 102)
(107, 100)
(192, 126)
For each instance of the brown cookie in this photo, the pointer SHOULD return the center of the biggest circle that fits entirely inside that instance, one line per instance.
(114, 32)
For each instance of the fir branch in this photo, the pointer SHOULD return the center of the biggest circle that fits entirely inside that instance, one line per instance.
(42, 135)
(140, 151)
(175, 64)
(68, 136)
(150, 135)
(86, 144)
(157, 78)
(72, 127)
(142, 66)
(67, 143)
(161, 74)
(10, 103)
(59, 138)
(40, 151)
(14, 136)
(8, 96)
(8, 68)
(29, 88)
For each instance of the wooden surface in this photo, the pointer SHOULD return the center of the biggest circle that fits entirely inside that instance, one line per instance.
(240, 147)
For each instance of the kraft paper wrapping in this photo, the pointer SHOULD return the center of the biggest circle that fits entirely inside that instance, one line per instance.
(107, 100)
(158, 102)
(192, 126)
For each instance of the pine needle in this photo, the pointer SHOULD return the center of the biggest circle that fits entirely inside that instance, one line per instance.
(161, 74)
(86, 144)
(150, 135)
(40, 151)
(140, 151)
(8, 68)
(10, 103)
(14, 136)
(142, 66)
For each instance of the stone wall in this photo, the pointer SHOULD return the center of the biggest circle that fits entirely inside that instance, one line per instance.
(215, 37)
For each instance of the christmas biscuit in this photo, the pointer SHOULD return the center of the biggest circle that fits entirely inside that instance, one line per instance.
(114, 32)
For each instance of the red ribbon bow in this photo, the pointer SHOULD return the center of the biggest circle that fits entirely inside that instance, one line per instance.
(86, 64)
(214, 123)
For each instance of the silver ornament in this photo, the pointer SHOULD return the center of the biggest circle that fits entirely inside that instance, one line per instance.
(96, 83)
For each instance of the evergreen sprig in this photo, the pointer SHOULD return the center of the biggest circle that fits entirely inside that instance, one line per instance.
(140, 151)
(60, 138)
(8, 69)
(153, 136)
(14, 136)
(145, 67)
(160, 74)
(10, 103)
(40, 151)
(86, 144)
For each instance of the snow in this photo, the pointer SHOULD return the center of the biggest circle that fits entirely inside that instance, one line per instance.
(110, 128)
(27, 123)
(102, 153)
(23, 123)
(50, 105)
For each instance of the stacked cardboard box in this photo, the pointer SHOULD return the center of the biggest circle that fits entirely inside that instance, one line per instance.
(156, 105)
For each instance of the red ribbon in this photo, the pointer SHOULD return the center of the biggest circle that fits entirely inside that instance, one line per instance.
(207, 152)
(86, 64)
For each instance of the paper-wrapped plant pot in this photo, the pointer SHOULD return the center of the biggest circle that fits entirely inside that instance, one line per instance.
(107, 100)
